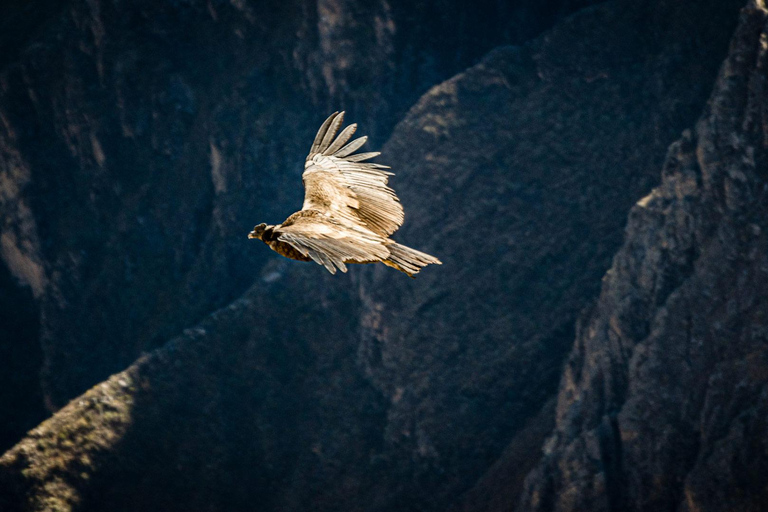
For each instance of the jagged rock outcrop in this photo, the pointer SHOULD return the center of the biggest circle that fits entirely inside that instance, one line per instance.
(518, 173)
(664, 399)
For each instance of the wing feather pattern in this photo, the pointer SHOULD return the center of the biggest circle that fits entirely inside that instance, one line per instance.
(342, 139)
(331, 244)
(351, 147)
(349, 211)
(321, 133)
(342, 185)
(332, 129)
(366, 156)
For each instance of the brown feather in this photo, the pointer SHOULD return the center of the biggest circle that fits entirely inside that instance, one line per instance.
(348, 211)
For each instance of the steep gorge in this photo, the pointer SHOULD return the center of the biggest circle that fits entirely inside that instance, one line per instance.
(139, 141)
(355, 392)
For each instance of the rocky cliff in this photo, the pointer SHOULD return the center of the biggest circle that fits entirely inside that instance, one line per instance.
(171, 129)
(526, 166)
(140, 140)
(663, 402)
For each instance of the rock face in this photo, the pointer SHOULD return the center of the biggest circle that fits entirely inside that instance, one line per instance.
(519, 172)
(221, 418)
(170, 128)
(22, 358)
(663, 403)
(361, 392)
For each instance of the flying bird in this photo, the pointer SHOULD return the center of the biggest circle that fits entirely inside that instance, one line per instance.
(349, 212)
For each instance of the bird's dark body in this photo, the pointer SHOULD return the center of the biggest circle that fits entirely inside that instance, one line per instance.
(285, 249)
(271, 238)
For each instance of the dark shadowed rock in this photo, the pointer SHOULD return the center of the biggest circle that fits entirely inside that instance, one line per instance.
(140, 141)
(517, 174)
(363, 392)
(22, 358)
(219, 418)
(663, 402)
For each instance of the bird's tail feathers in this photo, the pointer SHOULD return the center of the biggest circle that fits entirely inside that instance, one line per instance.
(407, 260)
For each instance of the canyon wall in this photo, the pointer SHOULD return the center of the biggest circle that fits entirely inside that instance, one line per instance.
(254, 382)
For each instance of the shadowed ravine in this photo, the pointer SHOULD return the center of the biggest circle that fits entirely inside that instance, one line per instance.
(584, 346)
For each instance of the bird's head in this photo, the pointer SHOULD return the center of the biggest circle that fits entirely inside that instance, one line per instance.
(257, 231)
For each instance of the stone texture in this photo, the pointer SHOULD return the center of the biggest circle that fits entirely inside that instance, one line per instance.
(170, 128)
(359, 392)
(663, 402)
(518, 174)
(22, 357)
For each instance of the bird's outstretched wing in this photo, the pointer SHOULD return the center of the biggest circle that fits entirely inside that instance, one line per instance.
(342, 185)
(349, 211)
(330, 243)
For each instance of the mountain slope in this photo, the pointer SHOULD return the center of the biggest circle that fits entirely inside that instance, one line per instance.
(518, 174)
(357, 392)
(664, 398)
(140, 141)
